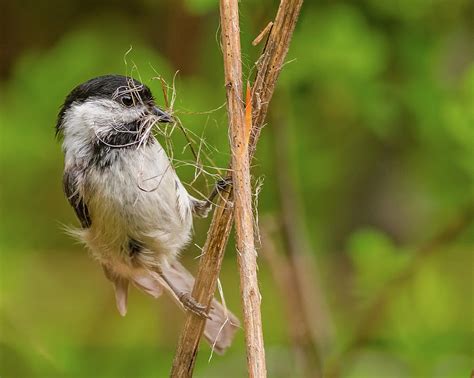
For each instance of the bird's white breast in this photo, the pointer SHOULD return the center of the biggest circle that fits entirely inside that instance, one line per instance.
(137, 197)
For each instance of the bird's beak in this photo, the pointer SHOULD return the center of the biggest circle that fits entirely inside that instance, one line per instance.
(162, 115)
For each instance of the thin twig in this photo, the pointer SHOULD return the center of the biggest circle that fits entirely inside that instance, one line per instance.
(270, 63)
(309, 324)
(281, 274)
(218, 234)
(262, 34)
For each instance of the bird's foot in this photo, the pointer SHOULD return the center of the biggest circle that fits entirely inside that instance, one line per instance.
(190, 304)
(223, 184)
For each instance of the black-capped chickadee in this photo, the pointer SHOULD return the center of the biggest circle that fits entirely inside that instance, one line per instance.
(135, 213)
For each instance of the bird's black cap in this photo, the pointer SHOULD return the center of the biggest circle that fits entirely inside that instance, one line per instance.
(105, 86)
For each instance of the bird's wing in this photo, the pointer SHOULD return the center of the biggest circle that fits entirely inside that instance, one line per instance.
(71, 189)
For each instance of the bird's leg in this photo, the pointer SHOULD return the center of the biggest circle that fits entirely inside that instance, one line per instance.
(221, 186)
(202, 208)
(185, 298)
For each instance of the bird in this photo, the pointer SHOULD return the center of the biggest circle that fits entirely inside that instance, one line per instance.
(135, 214)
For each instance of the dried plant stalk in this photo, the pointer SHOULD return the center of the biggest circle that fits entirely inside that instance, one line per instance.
(268, 69)
(294, 271)
(204, 286)
(270, 64)
(246, 252)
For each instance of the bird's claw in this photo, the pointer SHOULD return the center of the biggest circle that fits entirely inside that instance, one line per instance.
(194, 306)
(223, 184)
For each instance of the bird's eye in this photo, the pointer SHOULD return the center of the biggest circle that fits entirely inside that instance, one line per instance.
(126, 100)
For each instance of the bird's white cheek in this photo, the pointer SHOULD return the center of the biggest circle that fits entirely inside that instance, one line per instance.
(87, 122)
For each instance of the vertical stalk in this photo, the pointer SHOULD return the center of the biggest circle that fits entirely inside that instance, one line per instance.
(239, 131)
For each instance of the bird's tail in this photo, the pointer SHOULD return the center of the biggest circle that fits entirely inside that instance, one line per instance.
(176, 281)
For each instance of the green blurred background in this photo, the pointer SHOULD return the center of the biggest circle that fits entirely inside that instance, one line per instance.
(374, 118)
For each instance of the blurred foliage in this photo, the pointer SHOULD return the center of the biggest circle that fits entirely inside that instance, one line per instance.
(378, 96)
(376, 260)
